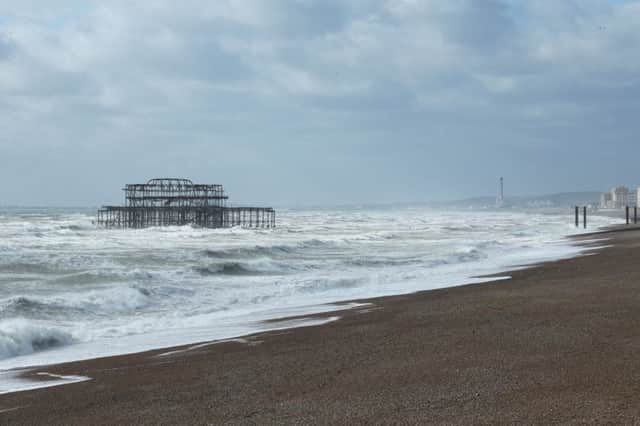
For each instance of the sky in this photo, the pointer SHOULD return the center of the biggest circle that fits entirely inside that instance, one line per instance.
(306, 102)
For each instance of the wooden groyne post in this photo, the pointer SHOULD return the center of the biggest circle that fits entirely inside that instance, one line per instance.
(627, 213)
(584, 217)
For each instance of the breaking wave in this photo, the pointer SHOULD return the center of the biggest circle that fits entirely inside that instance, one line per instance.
(94, 302)
(18, 337)
(325, 284)
(370, 262)
(244, 252)
(264, 266)
(271, 251)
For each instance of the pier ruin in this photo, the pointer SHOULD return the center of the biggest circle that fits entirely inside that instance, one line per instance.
(175, 202)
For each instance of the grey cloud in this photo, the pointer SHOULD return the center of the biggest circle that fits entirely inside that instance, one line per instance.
(273, 97)
(484, 25)
(310, 18)
(201, 59)
(6, 47)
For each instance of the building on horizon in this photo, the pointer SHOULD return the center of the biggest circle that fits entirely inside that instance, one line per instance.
(500, 197)
(619, 197)
(605, 200)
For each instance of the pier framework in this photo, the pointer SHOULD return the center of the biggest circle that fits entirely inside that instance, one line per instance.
(175, 202)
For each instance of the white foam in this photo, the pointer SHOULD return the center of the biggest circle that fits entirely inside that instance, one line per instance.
(14, 381)
(240, 325)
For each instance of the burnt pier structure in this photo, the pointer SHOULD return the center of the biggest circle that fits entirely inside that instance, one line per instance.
(175, 202)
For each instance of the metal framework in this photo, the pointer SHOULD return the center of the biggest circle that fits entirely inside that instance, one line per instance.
(170, 201)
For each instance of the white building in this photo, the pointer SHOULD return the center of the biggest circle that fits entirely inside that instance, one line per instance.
(605, 200)
(620, 197)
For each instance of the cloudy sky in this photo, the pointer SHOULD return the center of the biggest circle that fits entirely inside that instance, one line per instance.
(317, 102)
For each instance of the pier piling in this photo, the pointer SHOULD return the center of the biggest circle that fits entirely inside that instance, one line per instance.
(176, 202)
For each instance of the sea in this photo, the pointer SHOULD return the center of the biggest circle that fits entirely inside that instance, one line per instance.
(70, 290)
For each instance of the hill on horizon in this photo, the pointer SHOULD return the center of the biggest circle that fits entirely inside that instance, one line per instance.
(561, 199)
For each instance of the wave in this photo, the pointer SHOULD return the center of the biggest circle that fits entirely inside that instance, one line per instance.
(276, 250)
(373, 236)
(247, 252)
(42, 229)
(263, 266)
(468, 255)
(454, 228)
(94, 302)
(19, 337)
(22, 306)
(24, 267)
(325, 284)
(473, 253)
(230, 268)
(373, 262)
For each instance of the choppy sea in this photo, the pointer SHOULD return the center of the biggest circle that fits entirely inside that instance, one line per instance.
(70, 291)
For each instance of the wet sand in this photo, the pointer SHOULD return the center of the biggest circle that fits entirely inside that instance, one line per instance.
(558, 343)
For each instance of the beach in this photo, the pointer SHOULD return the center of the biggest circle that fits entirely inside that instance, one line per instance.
(319, 212)
(556, 343)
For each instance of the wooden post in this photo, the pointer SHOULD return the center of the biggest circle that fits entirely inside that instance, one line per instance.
(627, 213)
(584, 220)
(577, 216)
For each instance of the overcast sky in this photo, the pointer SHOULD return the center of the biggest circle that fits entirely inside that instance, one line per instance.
(317, 102)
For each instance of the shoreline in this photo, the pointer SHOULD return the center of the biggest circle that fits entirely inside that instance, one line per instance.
(358, 325)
